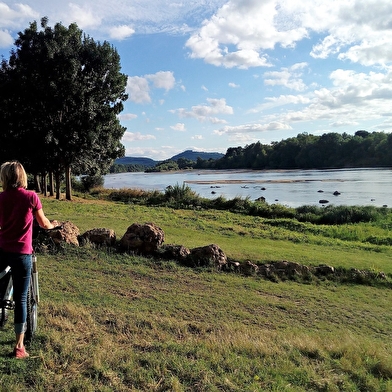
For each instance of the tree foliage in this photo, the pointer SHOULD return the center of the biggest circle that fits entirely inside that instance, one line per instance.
(60, 94)
(306, 151)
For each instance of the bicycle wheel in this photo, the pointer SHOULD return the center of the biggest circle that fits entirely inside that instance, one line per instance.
(6, 303)
(32, 314)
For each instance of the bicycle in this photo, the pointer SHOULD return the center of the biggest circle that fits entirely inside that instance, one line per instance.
(6, 296)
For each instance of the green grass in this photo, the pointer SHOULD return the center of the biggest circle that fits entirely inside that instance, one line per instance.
(117, 322)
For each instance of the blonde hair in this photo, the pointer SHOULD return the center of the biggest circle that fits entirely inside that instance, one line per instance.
(13, 175)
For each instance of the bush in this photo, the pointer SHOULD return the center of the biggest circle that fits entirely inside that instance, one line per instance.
(89, 182)
(182, 196)
(348, 214)
(181, 193)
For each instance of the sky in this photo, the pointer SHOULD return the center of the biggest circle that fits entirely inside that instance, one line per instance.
(208, 75)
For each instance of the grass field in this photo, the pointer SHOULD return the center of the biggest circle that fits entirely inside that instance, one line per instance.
(115, 322)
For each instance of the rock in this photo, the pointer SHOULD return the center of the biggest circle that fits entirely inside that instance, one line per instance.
(290, 268)
(206, 256)
(323, 201)
(336, 193)
(324, 270)
(234, 266)
(249, 268)
(100, 237)
(261, 199)
(175, 252)
(284, 269)
(68, 233)
(143, 238)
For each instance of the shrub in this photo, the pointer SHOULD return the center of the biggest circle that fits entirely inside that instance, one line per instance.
(182, 196)
(89, 182)
(348, 214)
(181, 193)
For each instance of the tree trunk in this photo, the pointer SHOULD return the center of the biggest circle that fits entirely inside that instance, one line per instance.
(44, 185)
(37, 184)
(51, 185)
(57, 175)
(68, 195)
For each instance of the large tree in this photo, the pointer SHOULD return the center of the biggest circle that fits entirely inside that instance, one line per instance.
(63, 94)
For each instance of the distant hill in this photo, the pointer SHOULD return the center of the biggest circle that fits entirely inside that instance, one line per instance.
(147, 162)
(188, 154)
(193, 155)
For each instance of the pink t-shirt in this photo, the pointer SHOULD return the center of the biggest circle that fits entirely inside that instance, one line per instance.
(17, 208)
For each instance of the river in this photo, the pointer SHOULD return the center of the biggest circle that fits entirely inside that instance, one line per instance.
(292, 188)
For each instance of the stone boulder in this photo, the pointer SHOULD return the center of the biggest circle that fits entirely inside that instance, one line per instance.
(324, 270)
(100, 237)
(286, 269)
(175, 252)
(207, 256)
(142, 238)
(67, 233)
(249, 268)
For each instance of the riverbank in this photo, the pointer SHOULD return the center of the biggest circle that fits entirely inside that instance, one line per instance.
(113, 321)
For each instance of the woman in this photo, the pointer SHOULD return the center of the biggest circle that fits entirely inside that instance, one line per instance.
(18, 207)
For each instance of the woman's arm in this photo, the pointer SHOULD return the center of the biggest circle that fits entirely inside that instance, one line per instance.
(42, 220)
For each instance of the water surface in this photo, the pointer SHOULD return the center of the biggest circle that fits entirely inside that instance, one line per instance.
(287, 187)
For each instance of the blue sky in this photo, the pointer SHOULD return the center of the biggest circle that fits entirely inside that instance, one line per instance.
(212, 74)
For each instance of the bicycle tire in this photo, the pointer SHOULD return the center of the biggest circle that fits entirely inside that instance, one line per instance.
(6, 290)
(32, 315)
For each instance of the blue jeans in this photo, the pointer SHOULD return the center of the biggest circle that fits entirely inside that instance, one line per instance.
(21, 270)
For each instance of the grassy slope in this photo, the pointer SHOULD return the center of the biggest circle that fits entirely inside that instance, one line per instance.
(111, 322)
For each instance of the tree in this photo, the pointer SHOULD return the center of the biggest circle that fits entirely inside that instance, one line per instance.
(64, 91)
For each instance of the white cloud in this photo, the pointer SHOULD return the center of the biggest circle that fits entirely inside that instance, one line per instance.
(287, 77)
(178, 127)
(207, 112)
(197, 137)
(140, 151)
(13, 17)
(252, 128)
(342, 123)
(84, 16)
(5, 39)
(138, 87)
(121, 32)
(104, 19)
(233, 85)
(131, 137)
(127, 116)
(281, 100)
(162, 79)
(241, 33)
(355, 98)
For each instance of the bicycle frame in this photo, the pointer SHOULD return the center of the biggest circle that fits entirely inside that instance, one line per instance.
(6, 294)
(7, 303)
(34, 278)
